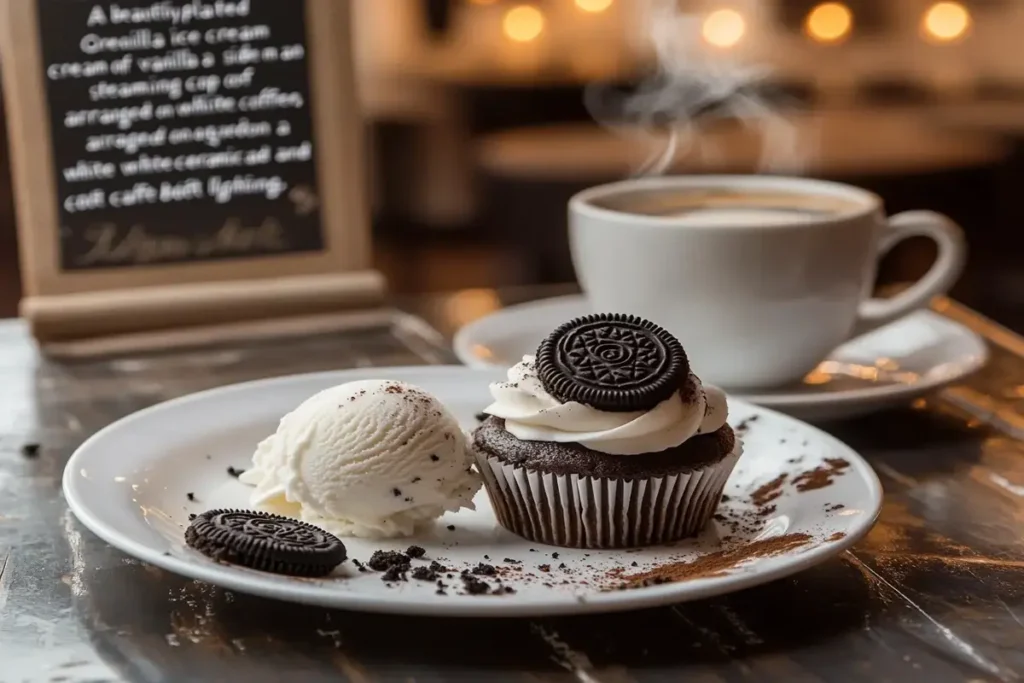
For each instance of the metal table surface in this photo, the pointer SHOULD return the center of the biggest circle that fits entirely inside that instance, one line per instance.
(935, 592)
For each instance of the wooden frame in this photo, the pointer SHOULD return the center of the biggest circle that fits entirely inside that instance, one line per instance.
(88, 303)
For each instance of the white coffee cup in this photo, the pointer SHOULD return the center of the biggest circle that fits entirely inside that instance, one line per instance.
(759, 277)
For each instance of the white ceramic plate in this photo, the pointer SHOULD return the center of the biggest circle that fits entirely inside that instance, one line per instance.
(889, 367)
(129, 485)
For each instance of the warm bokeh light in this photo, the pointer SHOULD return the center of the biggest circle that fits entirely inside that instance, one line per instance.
(829, 22)
(483, 2)
(724, 27)
(523, 23)
(594, 6)
(945, 22)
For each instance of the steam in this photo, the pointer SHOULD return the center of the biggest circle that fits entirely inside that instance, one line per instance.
(688, 90)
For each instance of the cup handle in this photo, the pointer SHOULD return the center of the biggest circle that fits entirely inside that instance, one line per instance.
(939, 279)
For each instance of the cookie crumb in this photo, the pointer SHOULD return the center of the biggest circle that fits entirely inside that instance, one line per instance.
(434, 457)
(475, 586)
(395, 573)
(424, 574)
(396, 492)
(30, 450)
(235, 472)
(382, 560)
(451, 527)
(484, 569)
(191, 496)
(415, 551)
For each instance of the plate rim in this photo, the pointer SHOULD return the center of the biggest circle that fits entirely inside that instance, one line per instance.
(280, 588)
(851, 397)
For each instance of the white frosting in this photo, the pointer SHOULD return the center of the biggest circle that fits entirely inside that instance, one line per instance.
(532, 414)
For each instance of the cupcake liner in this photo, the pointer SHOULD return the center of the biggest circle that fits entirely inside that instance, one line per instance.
(576, 511)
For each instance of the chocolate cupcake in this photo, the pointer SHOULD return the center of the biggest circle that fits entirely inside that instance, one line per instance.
(605, 439)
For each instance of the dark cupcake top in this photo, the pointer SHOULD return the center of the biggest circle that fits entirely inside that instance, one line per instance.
(616, 384)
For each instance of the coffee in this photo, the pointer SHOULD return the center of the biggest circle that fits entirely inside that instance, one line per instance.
(759, 277)
(728, 207)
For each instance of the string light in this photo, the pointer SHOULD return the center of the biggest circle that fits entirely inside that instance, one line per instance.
(523, 23)
(593, 6)
(829, 22)
(945, 22)
(724, 28)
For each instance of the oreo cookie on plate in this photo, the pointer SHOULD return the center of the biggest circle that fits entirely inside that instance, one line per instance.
(612, 362)
(260, 540)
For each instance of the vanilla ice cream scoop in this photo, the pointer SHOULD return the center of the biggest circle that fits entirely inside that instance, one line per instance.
(373, 458)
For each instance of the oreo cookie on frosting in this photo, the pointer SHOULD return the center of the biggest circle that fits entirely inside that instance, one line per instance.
(260, 540)
(612, 362)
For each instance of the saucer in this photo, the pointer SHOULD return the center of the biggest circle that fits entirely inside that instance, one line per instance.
(135, 483)
(888, 367)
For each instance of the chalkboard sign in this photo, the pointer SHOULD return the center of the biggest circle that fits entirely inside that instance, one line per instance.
(178, 136)
(181, 142)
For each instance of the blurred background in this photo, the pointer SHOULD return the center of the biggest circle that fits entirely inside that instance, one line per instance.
(484, 116)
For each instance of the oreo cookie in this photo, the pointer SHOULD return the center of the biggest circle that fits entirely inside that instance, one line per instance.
(260, 540)
(612, 362)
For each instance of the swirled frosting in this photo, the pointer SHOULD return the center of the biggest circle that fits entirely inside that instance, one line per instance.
(532, 414)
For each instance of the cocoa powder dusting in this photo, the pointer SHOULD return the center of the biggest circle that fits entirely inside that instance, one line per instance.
(714, 564)
(821, 476)
(768, 492)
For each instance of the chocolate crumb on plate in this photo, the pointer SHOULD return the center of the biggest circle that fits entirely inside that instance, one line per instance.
(480, 417)
(191, 496)
(235, 472)
(415, 551)
(475, 586)
(436, 566)
(544, 567)
(382, 560)
(821, 476)
(424, 574)
(30, 450)
(451, 527)
(766, 493)
(715, 564)
(554, 556)
(484, 569)
(395, 572)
